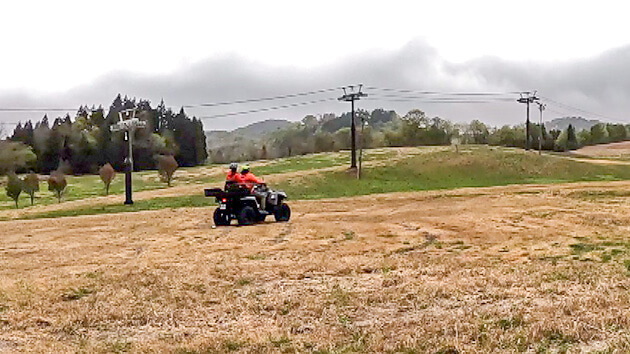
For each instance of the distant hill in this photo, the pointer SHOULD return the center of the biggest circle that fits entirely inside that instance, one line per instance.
(578, 123)
(259, 129)
(254, 131)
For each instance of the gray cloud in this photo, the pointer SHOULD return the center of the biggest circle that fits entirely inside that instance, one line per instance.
(598, 84)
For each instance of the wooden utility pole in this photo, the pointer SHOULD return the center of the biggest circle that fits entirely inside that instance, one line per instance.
(129, 126)
(541, 107)
(529, 98)
(362, 143)
(351, 97)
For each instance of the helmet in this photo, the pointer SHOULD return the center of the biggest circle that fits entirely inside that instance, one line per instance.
(245, 167)
(233, 166)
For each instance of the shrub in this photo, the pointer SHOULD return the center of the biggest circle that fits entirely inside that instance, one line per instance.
(166, 167)
(57, 183)
(107, 174)
(14, 188)
(30, 185)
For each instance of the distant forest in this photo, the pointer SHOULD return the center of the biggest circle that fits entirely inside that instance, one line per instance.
(382, 128)
(83, 144)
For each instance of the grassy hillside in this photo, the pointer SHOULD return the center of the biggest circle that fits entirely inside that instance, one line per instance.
(386, 170)
(446, 169)
(89, 186)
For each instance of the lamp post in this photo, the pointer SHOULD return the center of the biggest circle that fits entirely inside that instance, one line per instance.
(128, 123)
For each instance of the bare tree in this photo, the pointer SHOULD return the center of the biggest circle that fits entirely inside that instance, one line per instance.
(57, 183)
(30, 185)
(166, 167)
(107, 175)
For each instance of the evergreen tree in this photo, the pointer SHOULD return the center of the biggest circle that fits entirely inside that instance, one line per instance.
(184, 133)
(572, 142)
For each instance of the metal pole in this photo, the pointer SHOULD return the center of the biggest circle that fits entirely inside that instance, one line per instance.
(541, 133)
(527, 128)
(361, 142)
(129, 127)
(353, 96)
(131, 131)
(353, 133)
(527, 100)
(541, 107)
(129, 168)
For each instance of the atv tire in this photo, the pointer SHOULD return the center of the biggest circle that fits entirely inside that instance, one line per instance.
(221, 218)
(247, 216)
(282, 212)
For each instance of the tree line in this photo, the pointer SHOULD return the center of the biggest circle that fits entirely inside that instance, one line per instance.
(86, 143)
(385, 128)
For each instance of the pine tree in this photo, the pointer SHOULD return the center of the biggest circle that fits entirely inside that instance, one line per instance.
(572, 142)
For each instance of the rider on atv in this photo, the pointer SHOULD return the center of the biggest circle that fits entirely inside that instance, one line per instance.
(247, 199)
(256, 185)
(233, 177)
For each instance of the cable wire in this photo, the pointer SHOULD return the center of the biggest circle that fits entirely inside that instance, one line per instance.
(263, 99)
(38, 109)
(445, 93)
(437, 100)
(215, 104)
(575, 109)
(267, 109)
(447, 97)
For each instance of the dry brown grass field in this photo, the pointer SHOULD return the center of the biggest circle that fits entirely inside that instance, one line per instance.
(619, 150)
(502, 269)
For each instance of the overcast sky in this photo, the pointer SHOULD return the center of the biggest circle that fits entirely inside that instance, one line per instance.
(65, 53)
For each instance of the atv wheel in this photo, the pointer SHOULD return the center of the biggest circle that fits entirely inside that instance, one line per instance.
(247, 216)
(221, 218)
(282, 212)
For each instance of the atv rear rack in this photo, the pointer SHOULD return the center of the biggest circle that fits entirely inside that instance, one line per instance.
(219, 193)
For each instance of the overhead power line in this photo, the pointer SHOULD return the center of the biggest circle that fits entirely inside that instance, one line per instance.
(557, 111)
(214, 104)
(438, 100)
(38, 109)
(376, 94)
(263, 99)
(454, 96)
(562, 111)
(444, 92)
(267, 109)
(583, 111)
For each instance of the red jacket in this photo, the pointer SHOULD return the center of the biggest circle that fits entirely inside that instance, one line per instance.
(249, 179)
(234, 177)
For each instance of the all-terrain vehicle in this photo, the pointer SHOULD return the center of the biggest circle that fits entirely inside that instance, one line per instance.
(238, 202)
